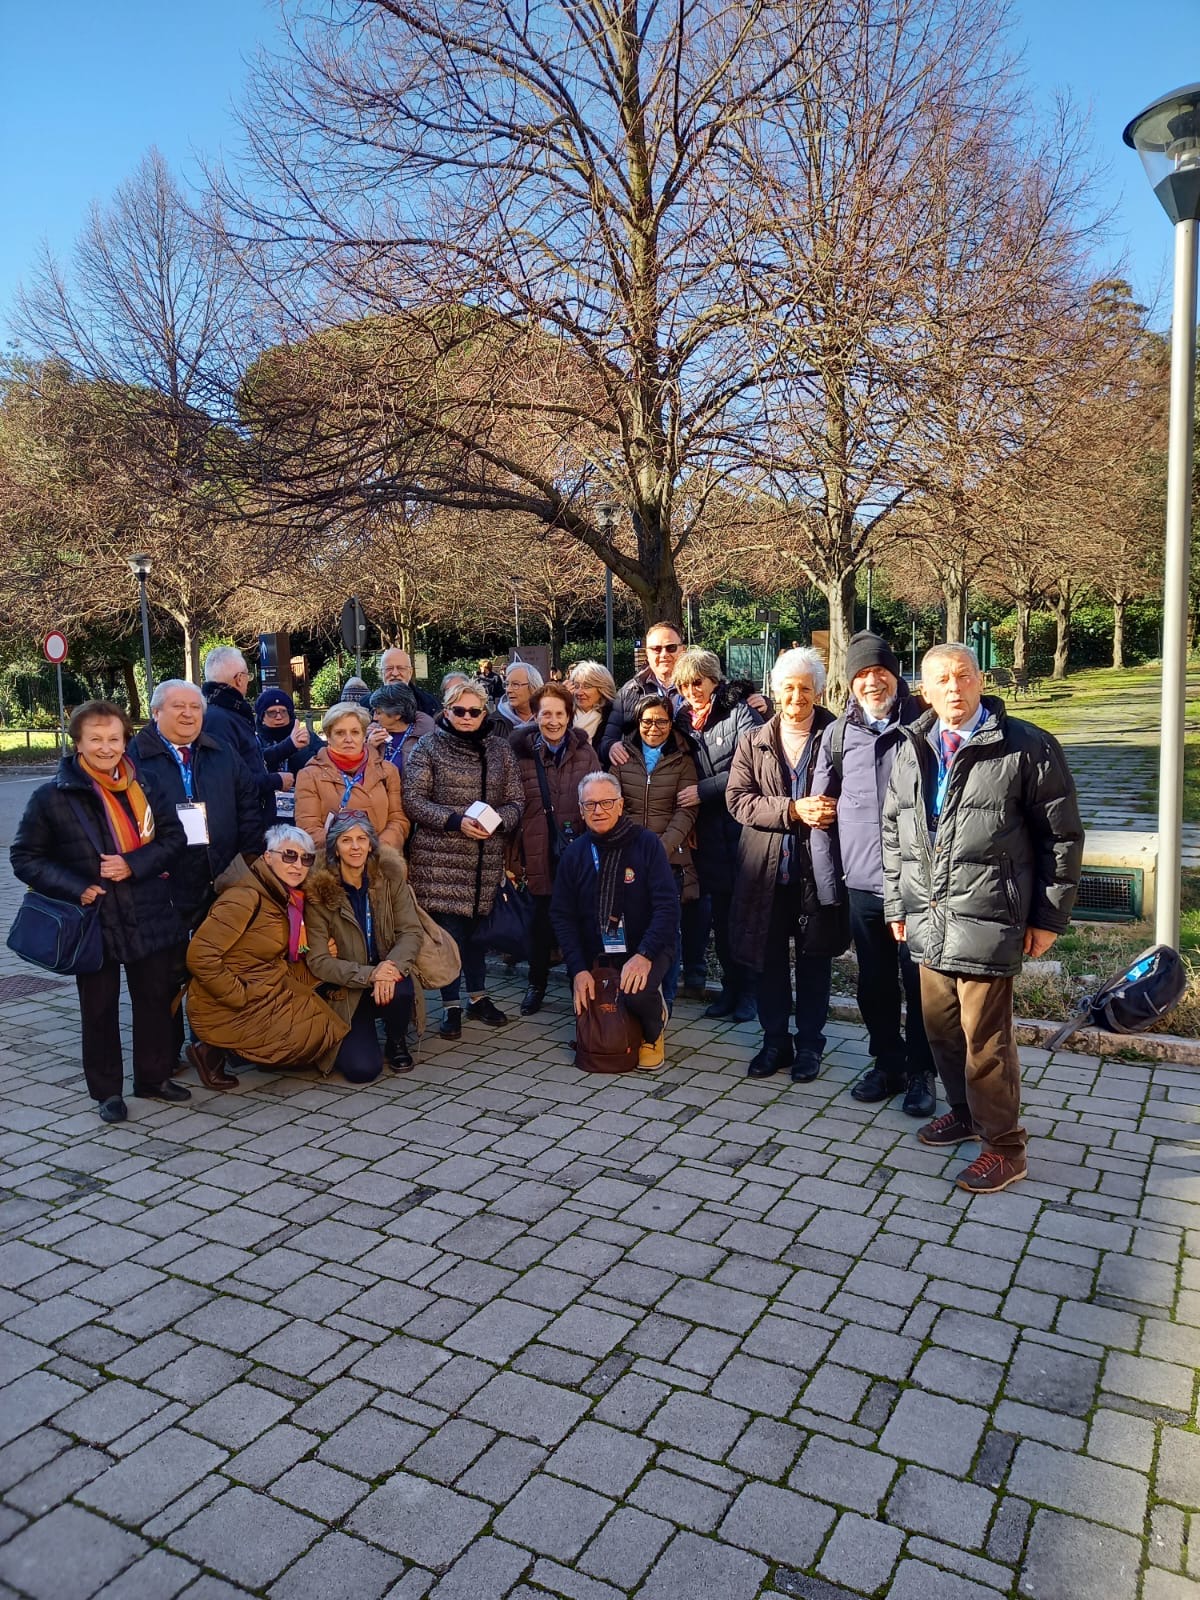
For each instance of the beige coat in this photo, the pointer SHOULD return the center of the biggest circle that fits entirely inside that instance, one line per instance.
(398, 932)
(320, 787)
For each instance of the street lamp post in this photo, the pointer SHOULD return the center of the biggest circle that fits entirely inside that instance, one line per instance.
(870, 588)
(606, 522)
(516, 588)
(140, 566)
(1166, 135)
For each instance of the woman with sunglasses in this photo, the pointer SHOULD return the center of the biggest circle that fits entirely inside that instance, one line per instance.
(251, 992)
(455, 863)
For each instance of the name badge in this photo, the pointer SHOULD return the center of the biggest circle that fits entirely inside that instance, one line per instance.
(285, 805)
(194, 816)
(614, 938)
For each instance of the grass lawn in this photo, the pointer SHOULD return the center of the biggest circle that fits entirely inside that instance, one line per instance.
(39, 745)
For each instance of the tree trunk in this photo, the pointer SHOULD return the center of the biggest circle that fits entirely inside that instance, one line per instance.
(954, 597)
(131, 691)
(1021, 637)
(191, 650)
(558, 636)
(840, 593)
(1118, 653)
(1062, 630)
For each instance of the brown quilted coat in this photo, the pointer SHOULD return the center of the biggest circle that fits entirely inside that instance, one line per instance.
(562, 784)
(319, 790)
(245, 995)
(398, 934)
(650, 799)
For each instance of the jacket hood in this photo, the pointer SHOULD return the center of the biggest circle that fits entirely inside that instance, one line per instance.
(324, 886)
(269, 886)
(525, 733)
(505, 710)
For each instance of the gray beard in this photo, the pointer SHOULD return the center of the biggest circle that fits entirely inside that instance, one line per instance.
(878, 716)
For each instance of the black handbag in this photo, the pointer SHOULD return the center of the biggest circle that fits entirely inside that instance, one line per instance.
(509, 924)
(59, 935)
(560, 838)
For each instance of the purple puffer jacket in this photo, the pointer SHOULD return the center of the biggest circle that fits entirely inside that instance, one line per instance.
(850, 854)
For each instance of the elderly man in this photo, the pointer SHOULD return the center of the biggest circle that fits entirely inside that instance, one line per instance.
(615, 902)
(185, 770)
(395, 666)
(853, 765)
(982, 848)
(229, 720)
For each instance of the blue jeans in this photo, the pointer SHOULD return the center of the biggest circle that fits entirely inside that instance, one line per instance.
(474, 963)
(814, 979)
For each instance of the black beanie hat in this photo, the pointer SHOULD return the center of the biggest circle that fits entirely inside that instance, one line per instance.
(869, 650)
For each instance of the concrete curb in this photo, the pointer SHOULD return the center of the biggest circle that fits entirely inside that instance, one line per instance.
(1087, 1042)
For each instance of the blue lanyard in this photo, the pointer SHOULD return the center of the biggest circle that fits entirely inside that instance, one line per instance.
(396, 751)
(596, 859)
(351, 783)
(186, 769)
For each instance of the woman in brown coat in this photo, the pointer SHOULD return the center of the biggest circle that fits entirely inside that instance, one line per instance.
(552, 756)
(251, 992)
(364, 936)
(347, 775)
(659, 767)
(455, 864)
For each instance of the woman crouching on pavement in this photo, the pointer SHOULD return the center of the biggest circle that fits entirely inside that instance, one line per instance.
(251, 992)
(365, 937)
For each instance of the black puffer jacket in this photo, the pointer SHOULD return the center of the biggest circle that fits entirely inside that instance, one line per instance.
(1008, 847)
(717, 832)
(53, 853)
(229, 719)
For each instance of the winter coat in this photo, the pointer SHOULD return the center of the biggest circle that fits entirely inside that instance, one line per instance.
(426, 702)
(229, 719)
(717, 830)
(406, 742)
(398, 934)
(850, 854)
(222, 784)
(562, 784)
(245, 995)
(54, 854)
(1007, 851)
(621, 719)
(759, 794)
(649, 903)
(651, 799)
(445, 774)
(378, 792)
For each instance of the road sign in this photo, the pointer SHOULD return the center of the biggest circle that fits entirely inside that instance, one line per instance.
(354, 629)
(54, 647)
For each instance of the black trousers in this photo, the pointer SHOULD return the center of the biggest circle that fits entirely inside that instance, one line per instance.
(360, 1060)
(151, 987)
(696, 925)
(884, 967)
(541, 942)
(774, 988)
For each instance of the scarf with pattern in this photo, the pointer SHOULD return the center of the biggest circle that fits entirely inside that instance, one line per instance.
(297, 932)
(128, 832)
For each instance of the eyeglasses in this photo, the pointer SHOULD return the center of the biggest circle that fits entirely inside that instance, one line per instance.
(292, 856)
(602, 805)
(663, 649)
(655, 722)
(466, 711)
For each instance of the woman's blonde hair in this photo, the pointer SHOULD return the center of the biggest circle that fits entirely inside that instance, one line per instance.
(695, 663)
(469, 686)
(344, 709)
(591, 675)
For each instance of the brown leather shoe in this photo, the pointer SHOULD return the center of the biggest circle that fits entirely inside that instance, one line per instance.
(209, 1063)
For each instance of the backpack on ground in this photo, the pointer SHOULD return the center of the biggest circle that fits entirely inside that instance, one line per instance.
(607, 1036)
(1135, 999)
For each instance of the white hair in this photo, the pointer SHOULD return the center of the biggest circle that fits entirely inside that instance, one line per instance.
(392, 650)
(168, 686)
(597, 777)
(953, 648)
(802, 662)
(288, 833)
(536, 681)
(223, 663)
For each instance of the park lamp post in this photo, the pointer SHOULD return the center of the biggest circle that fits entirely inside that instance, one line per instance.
(606, 522)
(140, 566)
(1166, 135)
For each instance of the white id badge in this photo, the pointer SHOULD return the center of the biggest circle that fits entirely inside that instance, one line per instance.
(194, 816)
(285, 805)
(614, 939)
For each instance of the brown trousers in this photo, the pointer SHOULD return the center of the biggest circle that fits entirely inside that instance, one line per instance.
(969, 1023)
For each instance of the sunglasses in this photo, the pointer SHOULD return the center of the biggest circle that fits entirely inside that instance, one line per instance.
(601, 805)
(663, 649)
(292, 856)
(466, 711)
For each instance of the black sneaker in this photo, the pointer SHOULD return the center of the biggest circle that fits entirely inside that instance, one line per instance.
(772, 1058)
(174, 1092)
(482, 1010)
(451, 1023)
(919, 1098)
(113, 1109)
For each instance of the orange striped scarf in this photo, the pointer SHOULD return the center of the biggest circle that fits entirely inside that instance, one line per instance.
(129, 832)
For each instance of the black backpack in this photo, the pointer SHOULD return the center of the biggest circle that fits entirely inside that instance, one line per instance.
(1135, 999)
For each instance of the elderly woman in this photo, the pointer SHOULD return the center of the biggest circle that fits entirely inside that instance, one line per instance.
(455, 862)
(520, 683)
(398, 723)
(552, 757)
(251, 992)
(88, 836)
(594, 691)
(364, 937)
(714, 719)
(349, 776)
(658, 771)
(775, 901)
(285, 742)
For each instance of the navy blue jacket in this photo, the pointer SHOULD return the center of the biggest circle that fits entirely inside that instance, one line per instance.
(234, 816)
(649, 904)
(717, 830)
(229, 719)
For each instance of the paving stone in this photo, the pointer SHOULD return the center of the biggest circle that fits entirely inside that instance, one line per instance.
(934, 1431)
(778, 1524)
(861, 1554)
(152, 1477)
(843, 1474)
(246, 1537)
(1068, 1559)
(1124, 1440)
(1076, 1484)
(767, 1448)
(888, 1355)
(524, 1406)
(1169, 1586)
(600, 1456)
(836, 1391)
(371, 1443)
(946, 1508)
(157, 1576)
(962, 1376)
(421, 1521)
(58, 1480)
(270, 1455)
(339, 1568)
(758, 1385)
(502, 1469)
(1056, 1380)
(705, 1427)
(625, 1547)
(691, 1568)
(487, 1571)
(67, 1555)
(713, 1306)
(680, 1499)
(1158, 1383)
(553, 1517)
(239, 1414)
(1178, 1474)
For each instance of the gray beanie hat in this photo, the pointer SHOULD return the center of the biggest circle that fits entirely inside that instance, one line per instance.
(342, 823)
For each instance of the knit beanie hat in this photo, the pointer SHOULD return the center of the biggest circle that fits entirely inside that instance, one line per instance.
(275, 697)
(869, 650)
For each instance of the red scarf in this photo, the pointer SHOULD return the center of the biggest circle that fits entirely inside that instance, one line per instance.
(129, 832)
(349, 764)
(699, 718)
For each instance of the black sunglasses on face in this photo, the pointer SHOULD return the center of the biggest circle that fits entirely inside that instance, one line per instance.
(292, 856)
(466, 711)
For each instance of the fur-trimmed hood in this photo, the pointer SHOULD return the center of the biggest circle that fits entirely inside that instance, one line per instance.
(325, 886)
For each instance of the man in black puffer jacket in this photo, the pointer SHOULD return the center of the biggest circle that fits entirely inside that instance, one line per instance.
(982, 849)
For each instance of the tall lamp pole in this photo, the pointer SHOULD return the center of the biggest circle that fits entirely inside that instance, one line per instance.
(140, 566)
(606, 522)
(1166, 135)
(870, 588)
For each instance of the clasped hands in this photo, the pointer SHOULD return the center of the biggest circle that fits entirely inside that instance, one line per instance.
(116, 869)
(816, 810)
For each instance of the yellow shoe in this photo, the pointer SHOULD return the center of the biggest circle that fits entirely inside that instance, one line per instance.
(650, 1056)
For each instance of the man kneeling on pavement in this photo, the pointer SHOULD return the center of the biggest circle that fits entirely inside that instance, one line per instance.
(982, 850)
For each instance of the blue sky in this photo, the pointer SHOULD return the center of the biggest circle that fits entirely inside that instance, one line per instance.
(86, 88)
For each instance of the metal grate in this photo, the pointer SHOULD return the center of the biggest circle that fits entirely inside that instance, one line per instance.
(1109, 894)
(16, 988)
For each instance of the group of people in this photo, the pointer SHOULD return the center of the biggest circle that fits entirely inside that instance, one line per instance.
(285, 902)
